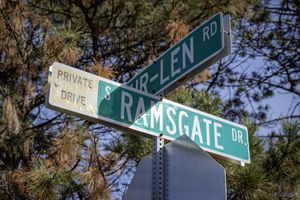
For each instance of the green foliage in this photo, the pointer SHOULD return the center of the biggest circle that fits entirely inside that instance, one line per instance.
(47, 155)
(249, 182)
(256, 143)
(131, 147)
(272, 174)
(199, 100)
(283, 162)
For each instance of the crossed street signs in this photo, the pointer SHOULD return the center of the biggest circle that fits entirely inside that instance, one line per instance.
(97, 99)
(134, 108)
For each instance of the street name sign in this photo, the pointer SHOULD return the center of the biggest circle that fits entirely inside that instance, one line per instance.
(195, 52)
(100, 100)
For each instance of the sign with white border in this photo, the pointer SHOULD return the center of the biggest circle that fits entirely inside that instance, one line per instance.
(198, 50)
(104, 101)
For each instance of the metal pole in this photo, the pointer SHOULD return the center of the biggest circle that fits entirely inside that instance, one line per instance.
(157, 168)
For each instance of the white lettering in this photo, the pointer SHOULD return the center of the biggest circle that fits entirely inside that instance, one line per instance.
(126, 105)
(196, 130)
(140, 111)
(217, 135)
(107, 90)
(144, 80)
(213, 28)
(136, 84)
(233, 135)
(186, 128)
(156, 114)
(174, 60)
(207, 124)
(173, 130)
(188, 52)
(205, 33)
(240, 137)
(162, 79)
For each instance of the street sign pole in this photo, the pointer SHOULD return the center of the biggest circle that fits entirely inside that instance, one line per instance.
(142, 82)
(158, 172)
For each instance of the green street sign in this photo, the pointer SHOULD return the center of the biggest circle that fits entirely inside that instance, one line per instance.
(95, 98)
(195, 52)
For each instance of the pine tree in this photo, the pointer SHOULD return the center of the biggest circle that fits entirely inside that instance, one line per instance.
(50, 155)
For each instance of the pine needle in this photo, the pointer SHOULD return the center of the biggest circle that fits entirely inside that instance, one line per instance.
(10, 116)
(176, 28)
(203, 76)
(96, 185)
(53, 44)
(17, 19)
(67, 148)
(100, 70)
(69, 54)
(36, 183)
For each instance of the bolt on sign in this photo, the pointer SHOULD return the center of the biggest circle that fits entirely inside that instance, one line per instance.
(100, 100)
(186, 58)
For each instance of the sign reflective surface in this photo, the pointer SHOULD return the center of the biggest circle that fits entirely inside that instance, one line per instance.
(92, 97)
(189, 53)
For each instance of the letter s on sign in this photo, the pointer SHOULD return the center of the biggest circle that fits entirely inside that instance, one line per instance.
(107, 90)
